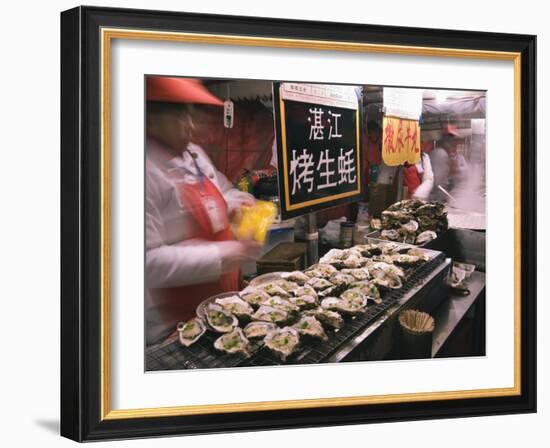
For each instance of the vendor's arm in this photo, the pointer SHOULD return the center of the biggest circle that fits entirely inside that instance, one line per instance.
(167, 265)
(425, 188)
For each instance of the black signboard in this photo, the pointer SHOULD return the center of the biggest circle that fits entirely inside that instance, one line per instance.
(318, 147)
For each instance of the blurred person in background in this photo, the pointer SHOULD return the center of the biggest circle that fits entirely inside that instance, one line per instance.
(449, 169)
(191, 253)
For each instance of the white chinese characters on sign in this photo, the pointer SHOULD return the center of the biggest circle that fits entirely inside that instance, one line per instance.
(333, 131)
(346, 167)
(301, 170)
(316, 128)
(322, 162)
(323, 167)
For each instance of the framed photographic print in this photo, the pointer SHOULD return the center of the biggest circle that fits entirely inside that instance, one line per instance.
(273, 223)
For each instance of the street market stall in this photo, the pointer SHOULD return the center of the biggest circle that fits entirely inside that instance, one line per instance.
(338, 299)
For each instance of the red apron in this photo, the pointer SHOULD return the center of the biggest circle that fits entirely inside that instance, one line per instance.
(411, 178)
(179, 303)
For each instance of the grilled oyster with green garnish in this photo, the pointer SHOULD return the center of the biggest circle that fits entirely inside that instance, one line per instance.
(304, 302)
(321, 270)
(254, 296)
(233, 342)
(189, 332)
(258, 329)
(319, 283)
(305, 290)
(295, 276)
(220, 320)
(310, 326)
(270, 314)
(283, 341)
(326, 317)
(284, 304)
(274, 289)
(236, 306)
(358, 274)
(342, 306)
(369, 289)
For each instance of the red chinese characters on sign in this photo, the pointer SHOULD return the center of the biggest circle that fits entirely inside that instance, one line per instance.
(401, 141)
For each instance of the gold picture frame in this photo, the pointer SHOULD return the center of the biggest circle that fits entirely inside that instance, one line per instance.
(114, 423)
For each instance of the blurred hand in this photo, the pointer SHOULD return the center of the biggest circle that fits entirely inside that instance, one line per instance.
(235, 212)
(234, 253)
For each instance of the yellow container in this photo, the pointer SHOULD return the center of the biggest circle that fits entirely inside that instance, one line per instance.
(256, 221)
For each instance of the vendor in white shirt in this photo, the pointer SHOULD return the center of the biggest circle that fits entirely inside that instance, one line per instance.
(190, 250)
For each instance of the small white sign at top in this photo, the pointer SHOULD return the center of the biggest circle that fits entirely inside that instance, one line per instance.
(327, 95)
(403, 103)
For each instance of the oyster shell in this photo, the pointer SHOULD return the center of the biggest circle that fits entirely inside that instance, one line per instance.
(258, 329)
(355, 296)
(305, 290)
(426, 237)
(283, 342)
(342, 306)
(326, 317)
(369, 289)
(331, 291)
(341, 279)
(305, 301)
(358, 273)
(274, 289)
(321, 270)
(190, 332)
(391, 248)
(310, 326)
(296, 276)
(270, 314)
(406, 259)
(254, 296)
(288, 286)
(411, 204)
(416, 251)
(233, 342)
(410, 227)
(236, 306)
(332, 255)
(283, 304)
(219, 319)
(319, 283)
(391, 234)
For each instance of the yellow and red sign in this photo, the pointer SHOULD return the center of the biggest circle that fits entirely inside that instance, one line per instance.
(400, 141)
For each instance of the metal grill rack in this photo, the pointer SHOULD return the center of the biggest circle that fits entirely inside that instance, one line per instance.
(203, 355)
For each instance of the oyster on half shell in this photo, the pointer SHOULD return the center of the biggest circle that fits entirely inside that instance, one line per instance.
(295, 276)
(283, 342)
(236, 306)
(219, 319)
(233, 342)
(258, 329)
(326, 317)
(270, 314)
(254, 296)
(189, 332)
(310, 326)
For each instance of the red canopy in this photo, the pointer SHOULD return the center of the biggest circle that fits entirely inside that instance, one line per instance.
(179, 90)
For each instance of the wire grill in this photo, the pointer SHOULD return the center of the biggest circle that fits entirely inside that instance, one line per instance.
(202, 354)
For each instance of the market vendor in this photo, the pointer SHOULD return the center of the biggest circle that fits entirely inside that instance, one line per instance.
(190, 250)
(418, 177)
(449, 168)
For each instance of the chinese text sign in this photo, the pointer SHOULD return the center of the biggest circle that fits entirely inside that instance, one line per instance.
(319, 156)
(400, 141)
